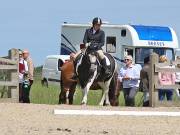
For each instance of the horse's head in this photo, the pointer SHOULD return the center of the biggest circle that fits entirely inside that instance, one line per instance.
(90, 53)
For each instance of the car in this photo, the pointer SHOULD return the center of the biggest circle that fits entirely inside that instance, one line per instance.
(51, 72)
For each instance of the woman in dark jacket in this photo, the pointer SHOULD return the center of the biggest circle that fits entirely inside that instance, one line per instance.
(144, 81)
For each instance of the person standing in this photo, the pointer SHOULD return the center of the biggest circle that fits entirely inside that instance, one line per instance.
(27, 58)
(144, 81)
(129, 76)
(23, 68)
(165, 78)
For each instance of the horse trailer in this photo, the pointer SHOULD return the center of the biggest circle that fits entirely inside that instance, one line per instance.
(120, 40)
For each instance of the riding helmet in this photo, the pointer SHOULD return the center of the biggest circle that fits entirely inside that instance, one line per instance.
(97, 20)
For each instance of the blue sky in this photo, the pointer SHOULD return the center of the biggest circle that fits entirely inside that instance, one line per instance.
(36, 24)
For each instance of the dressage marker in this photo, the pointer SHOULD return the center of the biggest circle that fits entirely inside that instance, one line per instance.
(119, 113)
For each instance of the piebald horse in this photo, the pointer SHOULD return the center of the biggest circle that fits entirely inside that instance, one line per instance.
(89, 70)
(68, 85)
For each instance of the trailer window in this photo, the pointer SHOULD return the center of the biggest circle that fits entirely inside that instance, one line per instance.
(123, 33)
(111, 44)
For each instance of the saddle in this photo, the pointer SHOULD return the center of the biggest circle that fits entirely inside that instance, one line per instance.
(110, 63)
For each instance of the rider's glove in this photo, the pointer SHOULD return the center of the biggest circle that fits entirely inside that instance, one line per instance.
(88, 44)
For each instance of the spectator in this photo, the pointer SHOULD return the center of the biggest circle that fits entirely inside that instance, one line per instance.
(144, 81)
(129, 76)
(23, 67)
(178, 76)
(165, 78)
(30, 73)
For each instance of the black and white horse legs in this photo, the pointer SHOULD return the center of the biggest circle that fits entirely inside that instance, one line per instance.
(105, 95)
(86, 89)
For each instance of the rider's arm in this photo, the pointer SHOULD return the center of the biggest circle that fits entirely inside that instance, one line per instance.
(85, 37)
(102, 40)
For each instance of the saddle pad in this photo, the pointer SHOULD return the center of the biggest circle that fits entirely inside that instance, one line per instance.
(107, 61)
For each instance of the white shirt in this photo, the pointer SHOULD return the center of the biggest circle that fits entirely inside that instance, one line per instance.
(22, 61)
(133, 72)
(94, 31)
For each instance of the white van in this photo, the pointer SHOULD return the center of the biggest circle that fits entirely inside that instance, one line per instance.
(51, 72)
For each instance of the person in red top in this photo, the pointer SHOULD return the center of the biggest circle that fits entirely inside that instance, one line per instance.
(23, 68)
(21, 71)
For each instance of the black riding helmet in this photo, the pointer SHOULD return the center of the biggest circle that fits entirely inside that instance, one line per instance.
(97, 20)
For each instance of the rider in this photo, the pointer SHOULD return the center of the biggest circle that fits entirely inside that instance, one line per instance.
(95, 35)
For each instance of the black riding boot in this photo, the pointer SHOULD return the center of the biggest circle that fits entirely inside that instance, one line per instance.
(106, 70)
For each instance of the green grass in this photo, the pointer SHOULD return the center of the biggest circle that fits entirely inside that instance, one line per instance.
(43, 95)
(50, 95)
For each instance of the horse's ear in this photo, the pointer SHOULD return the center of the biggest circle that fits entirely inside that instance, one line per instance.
(82, 46)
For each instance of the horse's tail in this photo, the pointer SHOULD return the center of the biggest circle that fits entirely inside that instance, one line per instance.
(114, 91)
(61, 94)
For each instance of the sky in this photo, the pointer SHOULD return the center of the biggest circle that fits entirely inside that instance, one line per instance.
(36, 24)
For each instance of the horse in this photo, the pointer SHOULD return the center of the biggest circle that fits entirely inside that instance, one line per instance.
(89, 70)
(68, 85)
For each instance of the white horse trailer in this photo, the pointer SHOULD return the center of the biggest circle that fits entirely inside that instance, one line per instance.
(120, 40)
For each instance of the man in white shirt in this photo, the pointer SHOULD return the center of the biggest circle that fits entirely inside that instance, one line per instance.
(129, 76)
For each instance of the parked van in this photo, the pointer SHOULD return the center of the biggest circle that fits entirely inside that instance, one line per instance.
(51, 71)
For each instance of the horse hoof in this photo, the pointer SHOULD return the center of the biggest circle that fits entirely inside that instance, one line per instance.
(106, 104)
(100, 104)
(83, 103)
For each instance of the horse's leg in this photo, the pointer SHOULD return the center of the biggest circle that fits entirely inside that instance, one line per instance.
(62, 97)
(85, 92)
(61, 94)
(71, 93)
(67, 95)
(101, 84)
(106, 91)
(105, 95)
(86, 89)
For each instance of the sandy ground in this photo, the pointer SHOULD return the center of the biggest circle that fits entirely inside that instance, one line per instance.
(24, 119)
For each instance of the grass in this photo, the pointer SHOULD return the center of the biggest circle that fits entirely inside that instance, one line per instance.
(50, 95)
(44, 95)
